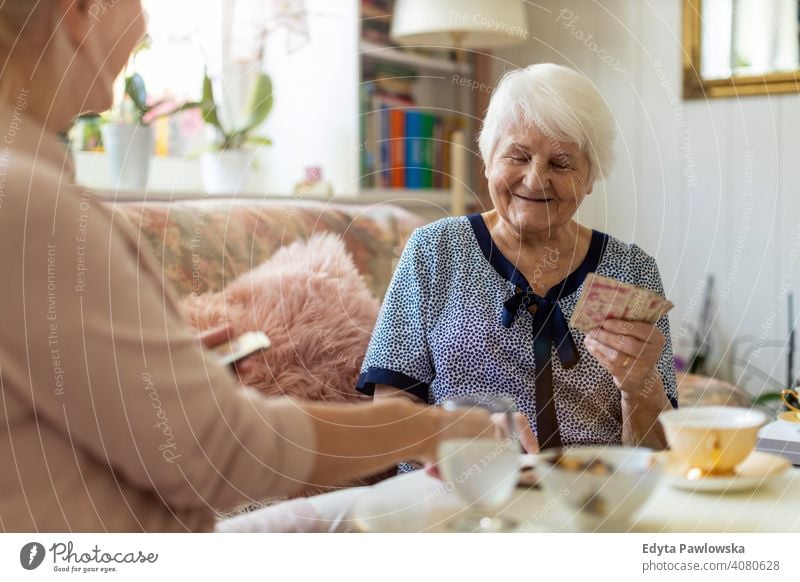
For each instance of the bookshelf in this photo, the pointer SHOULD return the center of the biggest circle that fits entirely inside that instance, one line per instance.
(407, 114)
(320, 107)
(396, 55)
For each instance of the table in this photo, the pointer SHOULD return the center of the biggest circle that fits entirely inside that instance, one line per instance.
(419, 502)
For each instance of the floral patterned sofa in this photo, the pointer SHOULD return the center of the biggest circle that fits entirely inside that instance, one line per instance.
(204, 244)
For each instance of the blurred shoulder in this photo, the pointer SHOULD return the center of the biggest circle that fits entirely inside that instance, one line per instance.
(38, 197)
(29, 186)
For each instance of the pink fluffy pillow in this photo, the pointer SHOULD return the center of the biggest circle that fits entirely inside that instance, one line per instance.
(311, 301)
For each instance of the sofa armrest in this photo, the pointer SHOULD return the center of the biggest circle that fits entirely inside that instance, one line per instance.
(204, 244)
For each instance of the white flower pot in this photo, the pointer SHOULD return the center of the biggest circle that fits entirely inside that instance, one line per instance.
(225, 171)
(129, 149)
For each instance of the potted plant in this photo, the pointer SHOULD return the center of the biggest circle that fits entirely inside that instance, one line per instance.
(225, 168)
(128, 137)
(129, 140)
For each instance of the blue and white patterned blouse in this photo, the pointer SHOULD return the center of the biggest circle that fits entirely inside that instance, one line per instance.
(455, 322)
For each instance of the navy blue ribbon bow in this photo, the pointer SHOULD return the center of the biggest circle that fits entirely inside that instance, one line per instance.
(549, 328)
(549, 325)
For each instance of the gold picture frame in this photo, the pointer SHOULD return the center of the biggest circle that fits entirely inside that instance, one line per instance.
(696, 87)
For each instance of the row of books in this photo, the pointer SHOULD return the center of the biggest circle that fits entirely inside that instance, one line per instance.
(403, 146)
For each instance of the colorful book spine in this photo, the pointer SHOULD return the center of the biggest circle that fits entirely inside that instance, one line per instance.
(415, 146)
(384, 176)
(401, 145)
(438, 162)
(446, 154)
(428, 124)
(366, 153)
(397, 133)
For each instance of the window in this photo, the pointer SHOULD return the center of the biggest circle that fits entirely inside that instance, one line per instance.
(186, 38)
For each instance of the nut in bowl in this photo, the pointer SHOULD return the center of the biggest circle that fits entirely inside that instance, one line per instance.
(710, 441)
(603, 486)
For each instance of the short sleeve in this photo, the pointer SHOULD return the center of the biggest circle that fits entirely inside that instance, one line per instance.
(398, 353)
(650, 278)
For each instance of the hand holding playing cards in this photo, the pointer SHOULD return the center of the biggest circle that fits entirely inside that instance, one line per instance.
(629, 350)
(219, 335)
(619, 322)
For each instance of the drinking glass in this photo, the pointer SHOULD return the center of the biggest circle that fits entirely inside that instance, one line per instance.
(482, 471)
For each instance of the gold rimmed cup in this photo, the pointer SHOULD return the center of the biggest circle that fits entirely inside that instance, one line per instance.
(785, 397)
(710, 441)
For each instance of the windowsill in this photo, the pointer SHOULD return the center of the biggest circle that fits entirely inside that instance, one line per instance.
(167, 174)
(179, 178)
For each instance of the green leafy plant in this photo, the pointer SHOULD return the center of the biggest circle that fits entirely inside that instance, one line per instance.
(145, 113)
(768, 397)
(258, 109)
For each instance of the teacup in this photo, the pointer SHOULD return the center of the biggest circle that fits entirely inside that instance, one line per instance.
(712, 440)
(784, 396)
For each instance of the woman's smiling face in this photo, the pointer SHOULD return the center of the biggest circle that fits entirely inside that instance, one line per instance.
(536, 182)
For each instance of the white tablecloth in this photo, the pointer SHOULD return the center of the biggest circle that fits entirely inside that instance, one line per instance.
(419, 502)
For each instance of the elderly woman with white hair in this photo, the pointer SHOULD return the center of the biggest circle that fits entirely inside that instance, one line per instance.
(479, 304)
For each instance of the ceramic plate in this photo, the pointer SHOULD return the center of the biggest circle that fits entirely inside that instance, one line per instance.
(789, 416)
(756, 470)
(410, 503)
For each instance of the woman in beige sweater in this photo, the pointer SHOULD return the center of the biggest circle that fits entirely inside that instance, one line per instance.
(111, 416)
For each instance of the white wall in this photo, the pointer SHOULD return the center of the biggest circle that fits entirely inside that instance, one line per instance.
(314, 121)
(705, 187)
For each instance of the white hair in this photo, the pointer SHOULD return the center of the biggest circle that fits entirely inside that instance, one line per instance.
(561, 103)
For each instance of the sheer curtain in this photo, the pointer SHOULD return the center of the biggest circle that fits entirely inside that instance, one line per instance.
(715, 53)
(186, 38)
(246, 23)
(251, 20)
(749, 37)
(765, 36)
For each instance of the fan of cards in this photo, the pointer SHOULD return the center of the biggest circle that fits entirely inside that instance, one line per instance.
(604, 298)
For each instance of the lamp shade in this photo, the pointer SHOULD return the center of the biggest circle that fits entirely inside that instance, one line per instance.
(474, 23)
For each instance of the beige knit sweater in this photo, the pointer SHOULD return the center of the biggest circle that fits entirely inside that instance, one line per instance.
(111, 416)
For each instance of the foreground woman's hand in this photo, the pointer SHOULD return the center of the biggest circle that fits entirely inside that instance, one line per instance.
(464, 423)
(355, 440)
(217, 336)
(524, 432)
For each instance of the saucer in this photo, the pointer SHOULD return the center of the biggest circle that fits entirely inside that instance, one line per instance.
(757, 469)
(418, 502)
(789, 416)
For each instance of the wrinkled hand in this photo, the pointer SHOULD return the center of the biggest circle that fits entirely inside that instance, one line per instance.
(498, 429)
(466, 423)
(629, 350)
(216, 336)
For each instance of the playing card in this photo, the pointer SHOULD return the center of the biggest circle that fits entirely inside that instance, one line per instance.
(603, 298)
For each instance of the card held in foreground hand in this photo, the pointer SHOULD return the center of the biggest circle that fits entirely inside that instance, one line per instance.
(604, 298)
